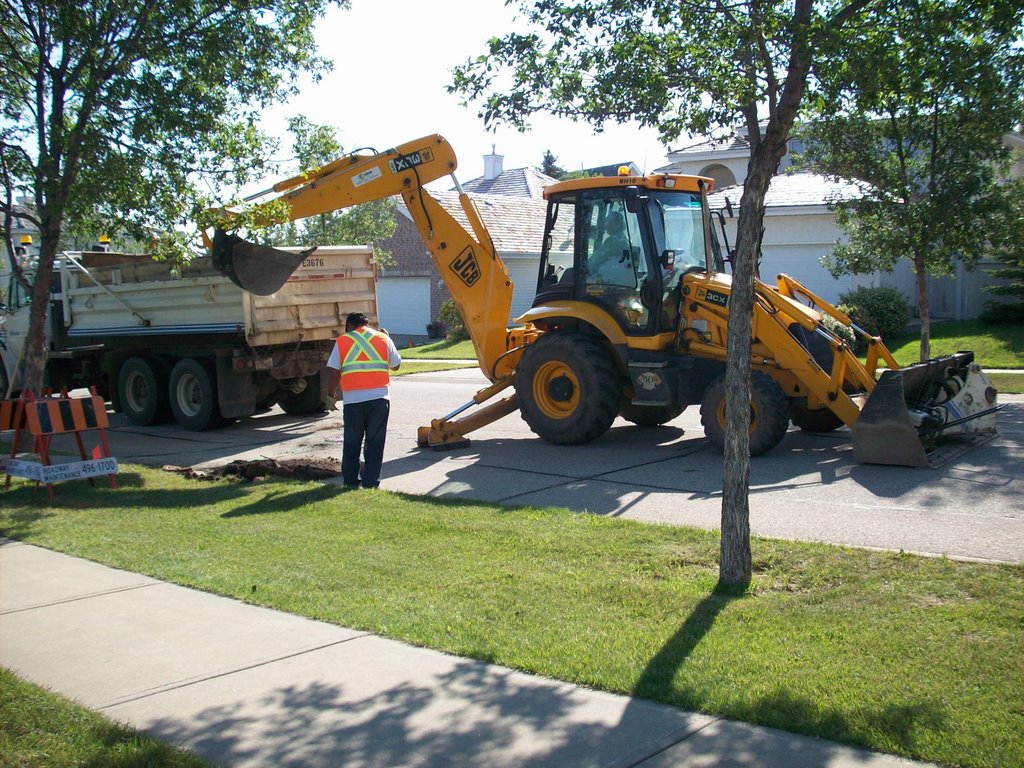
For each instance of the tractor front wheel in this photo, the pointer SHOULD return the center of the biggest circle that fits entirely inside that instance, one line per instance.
(569, 391)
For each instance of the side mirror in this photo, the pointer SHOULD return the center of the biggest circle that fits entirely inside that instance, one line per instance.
(667, 259)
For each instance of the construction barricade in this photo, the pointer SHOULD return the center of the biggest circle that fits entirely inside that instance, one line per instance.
(45, 417)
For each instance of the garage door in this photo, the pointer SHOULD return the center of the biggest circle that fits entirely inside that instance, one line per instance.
(524, 280)
(403, 304)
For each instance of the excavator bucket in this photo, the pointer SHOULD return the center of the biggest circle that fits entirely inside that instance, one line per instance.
(912, 409)
(255, 268)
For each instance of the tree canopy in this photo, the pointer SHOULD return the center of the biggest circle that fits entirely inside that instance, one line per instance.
(133, 113)
(918, 107)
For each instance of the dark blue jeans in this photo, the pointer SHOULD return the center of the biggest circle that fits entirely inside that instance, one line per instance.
(366, 426)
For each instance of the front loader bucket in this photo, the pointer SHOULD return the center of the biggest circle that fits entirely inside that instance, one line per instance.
(884, 433)
(914, 409)
(255, 268)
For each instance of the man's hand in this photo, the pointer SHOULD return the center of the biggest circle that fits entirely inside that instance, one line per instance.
(331, 402)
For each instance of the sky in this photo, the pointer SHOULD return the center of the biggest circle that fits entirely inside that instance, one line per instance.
(392, 61)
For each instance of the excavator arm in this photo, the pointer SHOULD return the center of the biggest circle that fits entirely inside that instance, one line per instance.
(475, 275)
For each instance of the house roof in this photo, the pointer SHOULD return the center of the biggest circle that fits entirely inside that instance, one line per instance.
(517, 182)
(794, 190)
(737, 145)
(516, 224)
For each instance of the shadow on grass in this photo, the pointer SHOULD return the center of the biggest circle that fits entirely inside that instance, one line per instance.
(894, 727)
(656, 679)
(286, 499)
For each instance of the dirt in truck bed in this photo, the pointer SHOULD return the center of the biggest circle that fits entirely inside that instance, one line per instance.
(295, 469)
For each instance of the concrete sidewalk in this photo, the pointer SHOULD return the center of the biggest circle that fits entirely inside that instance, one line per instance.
(247, 686)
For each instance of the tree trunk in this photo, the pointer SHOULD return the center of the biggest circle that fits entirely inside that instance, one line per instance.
(735, 562)
(34, 358)
(734, 565)
(921, 278)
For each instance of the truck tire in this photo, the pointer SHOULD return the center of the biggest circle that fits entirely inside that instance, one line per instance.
(142, 392)
(569, 391)
(193, 391)
(650, 415)
(817, 420)
(769, 413)
(304, 403)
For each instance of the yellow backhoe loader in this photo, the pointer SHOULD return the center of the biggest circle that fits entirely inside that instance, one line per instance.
(630, 318)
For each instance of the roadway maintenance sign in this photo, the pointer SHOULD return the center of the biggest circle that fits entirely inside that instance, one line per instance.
(54, 473)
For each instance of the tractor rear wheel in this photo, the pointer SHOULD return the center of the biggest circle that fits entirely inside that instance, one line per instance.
(569, 391)
(769, 413)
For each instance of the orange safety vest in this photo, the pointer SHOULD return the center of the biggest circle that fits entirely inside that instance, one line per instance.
(364, 360)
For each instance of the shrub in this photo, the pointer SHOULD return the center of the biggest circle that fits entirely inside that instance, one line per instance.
(451, 316)
(995, 312)
(844, 332)
(880, 311)
(437, 329)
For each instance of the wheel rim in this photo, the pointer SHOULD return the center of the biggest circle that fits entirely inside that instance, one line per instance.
(188, 395)
(721, 415)
(136, 392)
(556, 390)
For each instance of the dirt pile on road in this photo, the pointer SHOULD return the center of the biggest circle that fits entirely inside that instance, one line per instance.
(295, 469)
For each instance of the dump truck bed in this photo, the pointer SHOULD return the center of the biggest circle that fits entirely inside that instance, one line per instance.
(125, 295)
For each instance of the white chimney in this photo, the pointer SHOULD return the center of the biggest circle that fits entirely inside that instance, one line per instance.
(492, 165)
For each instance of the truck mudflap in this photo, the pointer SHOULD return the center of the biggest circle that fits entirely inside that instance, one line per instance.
(913, 410)
(255, 268)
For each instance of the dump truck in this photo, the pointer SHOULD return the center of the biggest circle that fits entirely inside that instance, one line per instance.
(631, 316)
(188, 344)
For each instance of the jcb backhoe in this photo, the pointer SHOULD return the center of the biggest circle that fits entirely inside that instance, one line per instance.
(630, 318)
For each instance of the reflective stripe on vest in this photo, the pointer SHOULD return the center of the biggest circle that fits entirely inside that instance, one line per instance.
(364, 360)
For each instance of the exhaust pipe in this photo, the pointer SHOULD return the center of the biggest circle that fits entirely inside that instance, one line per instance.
(258, 269)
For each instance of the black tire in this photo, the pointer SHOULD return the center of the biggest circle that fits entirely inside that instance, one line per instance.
(193, 394)
(569, 391)
(304, 403)
(650, 415)
(769, 413)
(142, 392)
(818, 420)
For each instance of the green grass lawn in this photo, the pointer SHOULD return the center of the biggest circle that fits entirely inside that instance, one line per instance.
(994, 345)
(441, 350)
(426, 366)
(39, 729)
(916, 656)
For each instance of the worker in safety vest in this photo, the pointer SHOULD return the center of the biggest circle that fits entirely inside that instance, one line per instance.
(359, 363)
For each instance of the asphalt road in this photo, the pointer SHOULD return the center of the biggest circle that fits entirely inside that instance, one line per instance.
(808, 488)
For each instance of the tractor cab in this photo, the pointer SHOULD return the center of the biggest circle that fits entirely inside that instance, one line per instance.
(623, 244)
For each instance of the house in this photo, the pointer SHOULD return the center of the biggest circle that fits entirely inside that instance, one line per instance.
(511, 204)
(799, 228)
